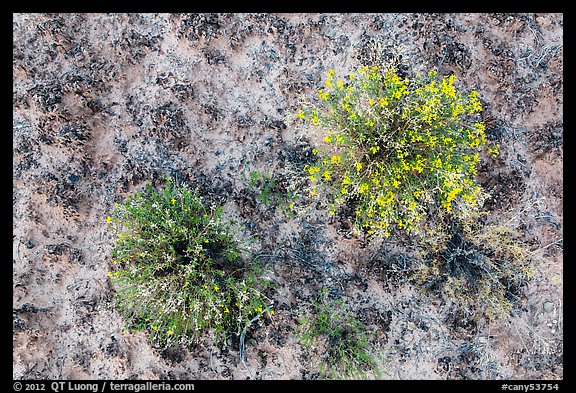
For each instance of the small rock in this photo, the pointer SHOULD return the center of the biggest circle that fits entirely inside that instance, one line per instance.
(411, 325)
(548, 306)
(543, 21)
(253, 342)
(482, 340)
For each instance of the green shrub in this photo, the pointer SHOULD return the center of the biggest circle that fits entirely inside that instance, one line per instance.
(395, 149)
(344, 346)
(179, 273)
(264, 185)
(271, 191)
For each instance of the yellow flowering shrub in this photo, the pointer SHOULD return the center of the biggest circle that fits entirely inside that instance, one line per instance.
(395, 147)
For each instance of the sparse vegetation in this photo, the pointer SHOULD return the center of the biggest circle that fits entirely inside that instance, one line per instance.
(342, 343)
(481, 267)
(271, 191)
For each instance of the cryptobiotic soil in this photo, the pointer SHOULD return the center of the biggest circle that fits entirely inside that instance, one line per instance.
(104, 104)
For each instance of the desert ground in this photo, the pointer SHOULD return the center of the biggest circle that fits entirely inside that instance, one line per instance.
(104, 104)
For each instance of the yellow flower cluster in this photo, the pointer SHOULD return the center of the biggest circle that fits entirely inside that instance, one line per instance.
(395, 145)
